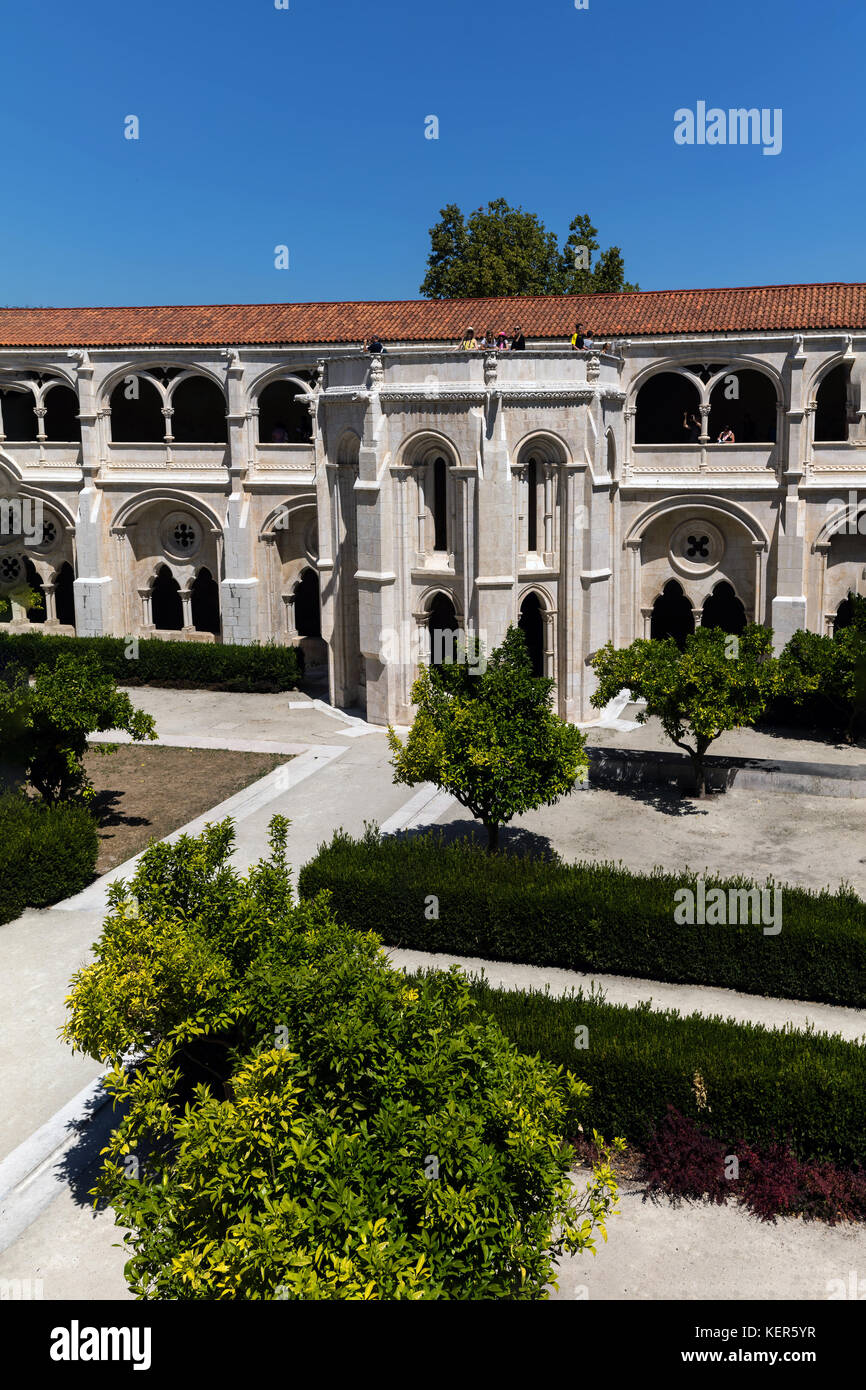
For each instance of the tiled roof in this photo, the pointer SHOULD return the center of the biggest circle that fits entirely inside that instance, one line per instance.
(765, 308)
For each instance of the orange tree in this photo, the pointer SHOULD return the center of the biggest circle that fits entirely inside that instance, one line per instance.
(485, 732)
(715, 683)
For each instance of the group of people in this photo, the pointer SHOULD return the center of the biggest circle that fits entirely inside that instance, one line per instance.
(496, 342)
(692, 427)
(500, 342)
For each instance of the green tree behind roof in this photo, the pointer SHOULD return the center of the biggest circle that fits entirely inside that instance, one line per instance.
(501, 250)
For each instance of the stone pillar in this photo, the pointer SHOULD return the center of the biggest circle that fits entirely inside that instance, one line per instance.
(494, 580)
(242, 619)
(97, 595)
(186, 605)
(50, 604)
(146, 608)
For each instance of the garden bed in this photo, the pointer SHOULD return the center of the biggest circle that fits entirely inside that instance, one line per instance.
(144, 793)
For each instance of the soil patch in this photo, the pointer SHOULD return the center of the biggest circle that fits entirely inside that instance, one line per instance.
(144, 793)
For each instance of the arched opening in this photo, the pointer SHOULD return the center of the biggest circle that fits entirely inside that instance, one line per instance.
(19, 416)
(672, 615)
(744, 402)
(611, 454)
(64, 595)
(37, 613)
(532, 503)
(531, 624)
(61, 422)
(723, 609)
(199, 412)
(282, 418)
(844, 616)
(136, 412)
(444, 630)
(205, 603)
(663, 402)
(440, 504)
(308, 622)
(165, 602)
(831, 413)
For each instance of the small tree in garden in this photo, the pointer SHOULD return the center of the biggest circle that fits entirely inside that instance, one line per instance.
(490, 739)
(44, 727)
(716, 683)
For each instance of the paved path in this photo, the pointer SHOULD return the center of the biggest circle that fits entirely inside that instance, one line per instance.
(623, 989)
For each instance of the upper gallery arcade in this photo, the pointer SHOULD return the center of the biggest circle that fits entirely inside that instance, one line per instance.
(249, 473)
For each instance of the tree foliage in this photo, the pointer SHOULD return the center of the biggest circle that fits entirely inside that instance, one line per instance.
(716, 683)
(828, 674)
(301, 1121)
(501, 250)
(490, 738)
(44, 727)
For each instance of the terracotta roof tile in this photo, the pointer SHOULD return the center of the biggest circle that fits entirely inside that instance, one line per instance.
(765, 308)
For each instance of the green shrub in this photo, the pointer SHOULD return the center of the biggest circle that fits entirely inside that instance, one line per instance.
(736, 1080)
(302, 1123)
(46, 853)
(211, 665)
(585, 916)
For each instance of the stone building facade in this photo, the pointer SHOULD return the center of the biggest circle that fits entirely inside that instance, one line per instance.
(251, 474)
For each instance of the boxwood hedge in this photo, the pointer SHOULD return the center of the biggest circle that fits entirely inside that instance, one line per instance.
(586, 916)
(152, 661)
(737, 1081)
(46, 853)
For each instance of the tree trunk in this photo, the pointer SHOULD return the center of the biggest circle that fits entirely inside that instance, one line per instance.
(492, 837)
(700, 775)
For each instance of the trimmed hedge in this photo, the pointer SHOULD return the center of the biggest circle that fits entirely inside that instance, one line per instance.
(46, 853)
(213, 666)
(761, 1084)
(597, 917)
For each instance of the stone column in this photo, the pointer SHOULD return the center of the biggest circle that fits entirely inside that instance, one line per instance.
(50, 604)
(98, 595)
(242, 618)
(146, 608)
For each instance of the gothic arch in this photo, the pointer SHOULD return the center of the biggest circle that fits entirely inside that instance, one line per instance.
(550, 446)
(699, 501)
(424, 445)
(181, 500)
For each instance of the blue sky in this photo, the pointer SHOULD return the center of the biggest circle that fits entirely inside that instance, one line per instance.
(305, 127)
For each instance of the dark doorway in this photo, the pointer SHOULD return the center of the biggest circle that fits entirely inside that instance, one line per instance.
(532, 515)
(282, 418)
(19, 416)
(308, 621)
(64, 595)
(844, 616)
(136, 412)
(61, 415)
(440, 499)
(744, 402)
(672, 615)
(165, 604)
(32, 580)
(661, 404)
(444, 631)
(831, 414)
(723, 609)
(199, 412)
(205, 603)
(531, 624)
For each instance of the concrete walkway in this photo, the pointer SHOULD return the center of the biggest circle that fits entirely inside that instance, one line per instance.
(624, 989)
